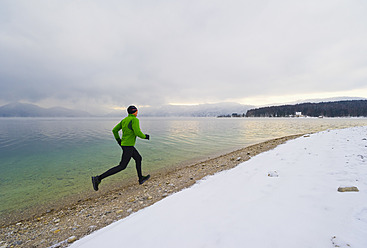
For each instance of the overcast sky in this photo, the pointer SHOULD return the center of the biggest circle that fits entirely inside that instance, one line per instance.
(103, 54)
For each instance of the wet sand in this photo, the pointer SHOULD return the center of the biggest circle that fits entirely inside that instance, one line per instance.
(60, 226)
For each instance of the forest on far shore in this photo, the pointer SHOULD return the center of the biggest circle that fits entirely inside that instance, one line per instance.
(353, 108)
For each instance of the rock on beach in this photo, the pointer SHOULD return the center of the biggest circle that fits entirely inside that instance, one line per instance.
(348, 189)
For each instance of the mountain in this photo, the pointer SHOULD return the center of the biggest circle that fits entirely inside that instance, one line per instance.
(355, 108)
(31, 110)
(200, 110)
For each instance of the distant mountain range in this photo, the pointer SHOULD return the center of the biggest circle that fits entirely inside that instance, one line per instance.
(31, 110)
(201, 110)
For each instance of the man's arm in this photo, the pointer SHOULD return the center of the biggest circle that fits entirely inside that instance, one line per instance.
(115, 132)
(136, 129)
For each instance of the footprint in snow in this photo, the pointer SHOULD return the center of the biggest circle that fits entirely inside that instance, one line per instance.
(337, 242)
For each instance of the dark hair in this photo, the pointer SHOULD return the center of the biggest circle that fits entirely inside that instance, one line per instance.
(131, 109)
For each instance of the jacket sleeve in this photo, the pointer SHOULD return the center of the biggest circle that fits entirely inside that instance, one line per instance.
(116, 130)
(136, 128)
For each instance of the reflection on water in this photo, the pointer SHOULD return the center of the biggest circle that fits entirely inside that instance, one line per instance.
(43, 159)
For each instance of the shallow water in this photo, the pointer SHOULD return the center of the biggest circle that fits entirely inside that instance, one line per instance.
(43, 160)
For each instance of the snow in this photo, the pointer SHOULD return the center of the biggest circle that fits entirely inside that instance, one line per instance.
(287, 197)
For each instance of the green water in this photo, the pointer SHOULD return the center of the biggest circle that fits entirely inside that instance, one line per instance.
(45, 160)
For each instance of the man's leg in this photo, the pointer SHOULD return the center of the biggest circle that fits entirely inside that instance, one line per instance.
(137, 157)
(127, 153)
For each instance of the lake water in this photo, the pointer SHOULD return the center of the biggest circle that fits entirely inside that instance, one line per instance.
(45, 160)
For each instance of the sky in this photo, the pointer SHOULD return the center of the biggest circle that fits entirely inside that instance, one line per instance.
(99, 55)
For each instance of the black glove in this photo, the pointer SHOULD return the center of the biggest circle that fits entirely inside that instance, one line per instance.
(119, 142)
(147, 136)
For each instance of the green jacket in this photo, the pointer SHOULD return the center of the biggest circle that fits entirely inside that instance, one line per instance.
(130, 129)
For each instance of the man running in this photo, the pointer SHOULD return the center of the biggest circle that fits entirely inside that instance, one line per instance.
(130, 130)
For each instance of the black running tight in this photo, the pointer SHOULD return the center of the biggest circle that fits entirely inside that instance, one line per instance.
(128, 152)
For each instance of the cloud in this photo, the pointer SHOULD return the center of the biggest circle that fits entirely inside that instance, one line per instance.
(154, 53)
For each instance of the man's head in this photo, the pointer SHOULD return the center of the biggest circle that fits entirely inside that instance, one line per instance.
(132, 110)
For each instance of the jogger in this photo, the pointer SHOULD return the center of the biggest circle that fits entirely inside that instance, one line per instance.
(130, 130)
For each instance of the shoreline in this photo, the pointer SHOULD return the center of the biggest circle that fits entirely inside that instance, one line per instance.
(52, 228)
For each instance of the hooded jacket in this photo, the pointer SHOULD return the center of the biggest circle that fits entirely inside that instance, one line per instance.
(130, 130)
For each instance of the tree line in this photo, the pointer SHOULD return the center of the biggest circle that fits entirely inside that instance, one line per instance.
(353, 108)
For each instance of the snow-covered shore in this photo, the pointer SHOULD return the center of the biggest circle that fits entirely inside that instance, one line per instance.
(286, 197)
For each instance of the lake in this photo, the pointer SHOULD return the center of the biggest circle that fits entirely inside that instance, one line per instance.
(46, 160)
